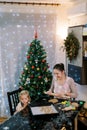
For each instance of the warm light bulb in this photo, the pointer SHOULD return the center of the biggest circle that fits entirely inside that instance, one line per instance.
(61, 32)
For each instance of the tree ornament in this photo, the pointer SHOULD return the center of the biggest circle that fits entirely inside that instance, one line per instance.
(39, 77)
(38, 69)
(30, 44)
(25, 84)
(23, 78)
(28, 57)
(32, 76)
(34, 82)
(43, 61)
(48, 66)
(26, 68)
(36, 61)
(30, 52)
(32, 67)
(44, 68)
(46, 80)
(22, 73)
(28, 79)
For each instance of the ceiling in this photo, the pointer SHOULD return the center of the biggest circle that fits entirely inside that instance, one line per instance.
(47, 1)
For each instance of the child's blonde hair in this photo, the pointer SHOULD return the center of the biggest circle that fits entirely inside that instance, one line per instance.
(24, 92)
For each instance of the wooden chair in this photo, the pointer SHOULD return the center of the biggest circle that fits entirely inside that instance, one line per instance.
(3, 119)
(13, 100)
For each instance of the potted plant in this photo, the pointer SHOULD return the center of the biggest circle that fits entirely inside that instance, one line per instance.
(71, 46)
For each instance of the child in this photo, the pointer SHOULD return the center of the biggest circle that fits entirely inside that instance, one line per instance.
(24, 99)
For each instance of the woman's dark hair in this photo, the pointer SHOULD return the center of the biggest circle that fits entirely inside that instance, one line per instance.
(59, 67)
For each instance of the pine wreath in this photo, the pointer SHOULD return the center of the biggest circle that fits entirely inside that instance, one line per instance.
(71, 45)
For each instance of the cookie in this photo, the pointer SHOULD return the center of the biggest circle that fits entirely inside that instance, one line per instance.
(85, 105)
(75, 104)
(53, 100)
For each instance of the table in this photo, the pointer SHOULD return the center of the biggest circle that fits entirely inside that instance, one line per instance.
(56, 121)
(25, 120)
(19, 121)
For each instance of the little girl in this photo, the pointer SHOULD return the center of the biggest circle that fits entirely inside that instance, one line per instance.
(24, 99)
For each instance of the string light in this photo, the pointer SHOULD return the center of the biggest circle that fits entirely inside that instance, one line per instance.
(29, 3)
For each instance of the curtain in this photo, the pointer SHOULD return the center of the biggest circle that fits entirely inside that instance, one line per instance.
(16, 33)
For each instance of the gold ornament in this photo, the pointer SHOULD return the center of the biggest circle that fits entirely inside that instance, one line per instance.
(38, 69)
(26, 68)
(46, 79)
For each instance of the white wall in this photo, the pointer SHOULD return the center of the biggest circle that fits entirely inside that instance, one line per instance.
(78, 20)
(77, 14)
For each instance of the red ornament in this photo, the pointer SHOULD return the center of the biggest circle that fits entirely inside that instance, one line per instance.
(39, 77)
(32, 76)
(28, 57)
(22, 72)
(45, 68)
(43, 61)
(48, 66)
(37, 87)
(32, 67)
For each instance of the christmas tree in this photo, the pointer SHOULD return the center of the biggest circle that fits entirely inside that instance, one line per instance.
(36, 76)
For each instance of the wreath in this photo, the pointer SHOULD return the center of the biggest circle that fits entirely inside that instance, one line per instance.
(71, 45)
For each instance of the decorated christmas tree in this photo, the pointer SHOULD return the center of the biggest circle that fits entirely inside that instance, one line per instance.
(36, 76)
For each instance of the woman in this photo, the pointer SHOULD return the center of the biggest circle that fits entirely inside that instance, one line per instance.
(62, 87)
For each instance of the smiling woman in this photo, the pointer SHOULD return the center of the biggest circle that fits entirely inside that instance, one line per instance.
(62, 87)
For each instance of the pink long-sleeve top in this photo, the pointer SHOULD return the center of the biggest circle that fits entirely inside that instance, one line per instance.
(68, 86)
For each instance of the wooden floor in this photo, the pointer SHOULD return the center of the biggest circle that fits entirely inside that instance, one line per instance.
(2, 119)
